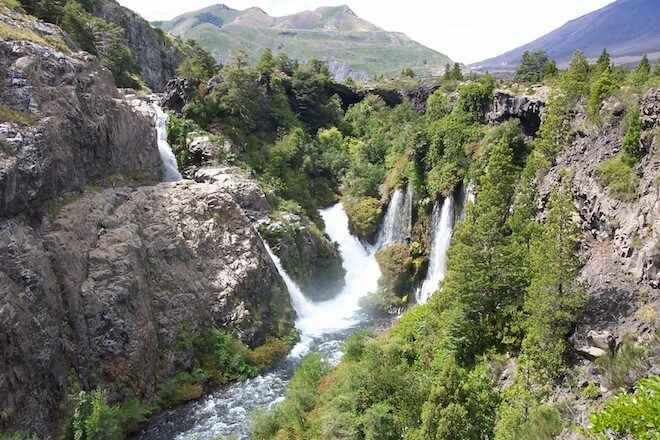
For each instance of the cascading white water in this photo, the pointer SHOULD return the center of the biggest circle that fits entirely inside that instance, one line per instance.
(397, 224)
(170, 168)
(442, 223)
(323, 327)
(301, 305)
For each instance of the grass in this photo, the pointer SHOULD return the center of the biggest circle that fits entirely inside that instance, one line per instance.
(9, 115)
(619, 177)
(22, 34)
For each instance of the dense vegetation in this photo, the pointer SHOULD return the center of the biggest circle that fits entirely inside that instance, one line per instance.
(511, 296)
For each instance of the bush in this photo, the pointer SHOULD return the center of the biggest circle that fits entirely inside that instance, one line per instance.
(363, 216)
(93, 418)
(183, 387)
(437, 106)
(636, 415)
(619, 177)
(622, 367)
(354, 345)
(631, 146)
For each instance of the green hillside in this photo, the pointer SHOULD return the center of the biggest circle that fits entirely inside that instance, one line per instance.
(352, 46)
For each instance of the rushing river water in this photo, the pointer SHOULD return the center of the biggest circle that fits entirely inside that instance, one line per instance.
(323, 327)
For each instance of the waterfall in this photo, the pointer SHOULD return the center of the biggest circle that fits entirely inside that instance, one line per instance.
(301, 305)
(442, 222)
(397, 224)
(170, 169)
(323, 327)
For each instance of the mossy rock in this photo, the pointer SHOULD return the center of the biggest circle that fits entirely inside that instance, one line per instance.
(310, 258)
(364, 216)
(396, 266)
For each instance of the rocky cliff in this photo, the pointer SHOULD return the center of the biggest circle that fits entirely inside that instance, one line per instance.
(102, 270)
(155, 52)
(64, 124)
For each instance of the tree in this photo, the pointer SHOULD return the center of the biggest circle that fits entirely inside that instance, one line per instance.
(642, 73)
(457, 72)
(447, 74)
(554, 297)
(601, 87)
(604, 62)
(407, 72)
(535, 66)
(198, 65)
(631, 141)
(575, 81)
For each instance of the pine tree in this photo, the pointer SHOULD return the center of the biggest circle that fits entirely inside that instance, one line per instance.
(631, 141)
(457, 72)
(642, 73)
(575, 81)
(554, 297)
(604, 62)
(447, 75)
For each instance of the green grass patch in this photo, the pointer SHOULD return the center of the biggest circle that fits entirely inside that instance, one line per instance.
(22, 34)
(17, 117)
(619, 177)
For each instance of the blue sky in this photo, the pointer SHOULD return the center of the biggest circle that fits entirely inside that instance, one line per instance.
(466, 30)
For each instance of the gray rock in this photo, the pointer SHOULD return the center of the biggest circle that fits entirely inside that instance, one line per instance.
(81, 129)
(526, 109)
(105, 291)
(177, 92)
(156, 55)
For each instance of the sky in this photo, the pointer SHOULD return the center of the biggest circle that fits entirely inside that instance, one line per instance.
(466, 30)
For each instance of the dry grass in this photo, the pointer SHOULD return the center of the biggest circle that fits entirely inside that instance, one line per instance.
(9, 115)
(8, 32)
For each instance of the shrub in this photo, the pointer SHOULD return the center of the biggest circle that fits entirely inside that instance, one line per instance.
(10, 115)
(631, 146)
(636, 415)
(265, 355)
(622, 367)
(93, 418)
(619, 177)
(601, 87)
(363, 216)
(354, 345)
(224, 358)
(437, 106)
(182, 387)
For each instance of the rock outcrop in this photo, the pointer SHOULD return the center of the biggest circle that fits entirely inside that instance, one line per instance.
(524, 108)
(67, 127)
(307, 254)
(178, 92)
(156, 55)
(104, 291)
(621, 245)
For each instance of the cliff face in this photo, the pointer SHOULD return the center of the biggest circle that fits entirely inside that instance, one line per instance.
(621, 245)
(105, 290)
(98, 286)
(66, 124)
(156, 55)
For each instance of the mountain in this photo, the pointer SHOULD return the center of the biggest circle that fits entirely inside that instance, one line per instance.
(351, 46)
(627, 28)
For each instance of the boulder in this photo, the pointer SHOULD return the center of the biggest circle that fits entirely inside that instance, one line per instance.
(650, 109)
(177, 92)
(104, 290)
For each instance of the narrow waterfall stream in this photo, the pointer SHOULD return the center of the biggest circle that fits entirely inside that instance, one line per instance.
(323, 327)
(442, 223)
(443, 219)
(170, 169)
(397, 224)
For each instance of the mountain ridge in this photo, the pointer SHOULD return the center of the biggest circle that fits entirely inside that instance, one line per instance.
(627, 28)
(335, 34)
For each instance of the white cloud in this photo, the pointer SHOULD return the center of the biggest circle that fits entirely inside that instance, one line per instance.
(466, 30)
